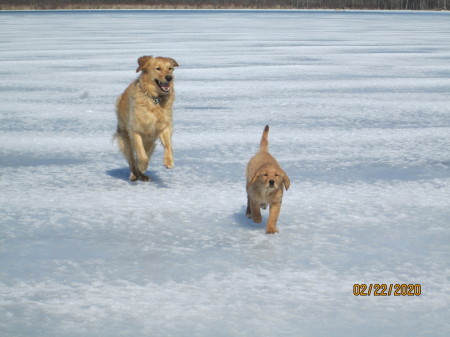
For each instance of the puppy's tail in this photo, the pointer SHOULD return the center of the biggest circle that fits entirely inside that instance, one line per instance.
(264, 144)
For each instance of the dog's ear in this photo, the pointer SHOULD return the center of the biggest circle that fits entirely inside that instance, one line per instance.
(253, 180)
(286, 181)
(142, 61)
(174, 63)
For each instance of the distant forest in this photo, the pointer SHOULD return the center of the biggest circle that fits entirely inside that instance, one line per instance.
(224, 4)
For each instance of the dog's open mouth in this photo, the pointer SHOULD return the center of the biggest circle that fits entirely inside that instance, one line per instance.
(164, 86)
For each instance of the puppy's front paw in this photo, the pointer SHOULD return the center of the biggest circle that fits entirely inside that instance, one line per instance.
(168, 162)
(272, 230)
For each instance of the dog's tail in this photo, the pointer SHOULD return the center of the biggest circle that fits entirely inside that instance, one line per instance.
(264, 144)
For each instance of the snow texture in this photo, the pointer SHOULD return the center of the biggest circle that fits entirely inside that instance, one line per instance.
(358, 105)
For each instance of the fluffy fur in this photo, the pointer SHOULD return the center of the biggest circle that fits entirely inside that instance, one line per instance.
(265, 183)
(144, 114)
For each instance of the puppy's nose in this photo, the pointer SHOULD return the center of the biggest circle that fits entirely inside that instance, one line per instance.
(271, 182)
(169, 78)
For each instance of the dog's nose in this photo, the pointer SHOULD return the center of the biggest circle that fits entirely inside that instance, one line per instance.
(271, 182)
(169, 78)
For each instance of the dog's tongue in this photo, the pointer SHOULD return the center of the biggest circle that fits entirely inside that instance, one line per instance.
(165, 86)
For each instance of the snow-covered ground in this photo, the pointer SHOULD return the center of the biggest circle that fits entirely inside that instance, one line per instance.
(358, 104)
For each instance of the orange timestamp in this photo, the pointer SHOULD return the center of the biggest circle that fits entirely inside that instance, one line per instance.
(387, 289)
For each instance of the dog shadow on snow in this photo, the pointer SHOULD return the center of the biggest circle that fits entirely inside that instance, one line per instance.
(124, 174)
(241, 219)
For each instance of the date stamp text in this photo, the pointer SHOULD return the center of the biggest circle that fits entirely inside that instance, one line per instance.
(387, 289)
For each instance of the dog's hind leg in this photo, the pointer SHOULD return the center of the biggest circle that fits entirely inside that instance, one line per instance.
(124, 143)
(142, 158)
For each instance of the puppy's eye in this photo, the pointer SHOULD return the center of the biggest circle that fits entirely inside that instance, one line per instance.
(276, 175)
(170, 69)
(265, 174)
(159, 69)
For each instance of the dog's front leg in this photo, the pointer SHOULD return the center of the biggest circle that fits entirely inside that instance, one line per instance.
(166, 140)
(255, 210)
(248, 212)
(274, 212)
(142, 157)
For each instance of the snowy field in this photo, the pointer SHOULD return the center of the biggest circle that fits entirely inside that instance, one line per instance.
(358, 105)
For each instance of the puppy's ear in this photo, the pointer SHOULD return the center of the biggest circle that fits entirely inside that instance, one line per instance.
(253, 180)
(142, 61)
(174, 63)
(286, 181)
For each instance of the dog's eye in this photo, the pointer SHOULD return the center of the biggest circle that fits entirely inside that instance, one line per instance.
(276, 175)
(170, 69)
(159, 69)
(265, 174)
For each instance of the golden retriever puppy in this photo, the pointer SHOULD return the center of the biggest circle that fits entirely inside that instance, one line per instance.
(144, 114)
(265, 183)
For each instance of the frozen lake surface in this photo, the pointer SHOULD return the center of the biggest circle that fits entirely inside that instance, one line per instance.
(358, 104)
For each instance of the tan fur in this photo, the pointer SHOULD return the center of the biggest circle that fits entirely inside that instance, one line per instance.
(265, 183)
(144, 114)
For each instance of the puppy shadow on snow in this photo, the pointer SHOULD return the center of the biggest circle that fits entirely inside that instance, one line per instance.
(124, 173)
(241, 219)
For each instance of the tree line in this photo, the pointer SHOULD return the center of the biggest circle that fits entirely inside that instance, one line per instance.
(223, 4)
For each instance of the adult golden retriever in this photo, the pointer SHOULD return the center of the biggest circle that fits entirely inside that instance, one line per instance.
(144, 114)
(265, 183)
